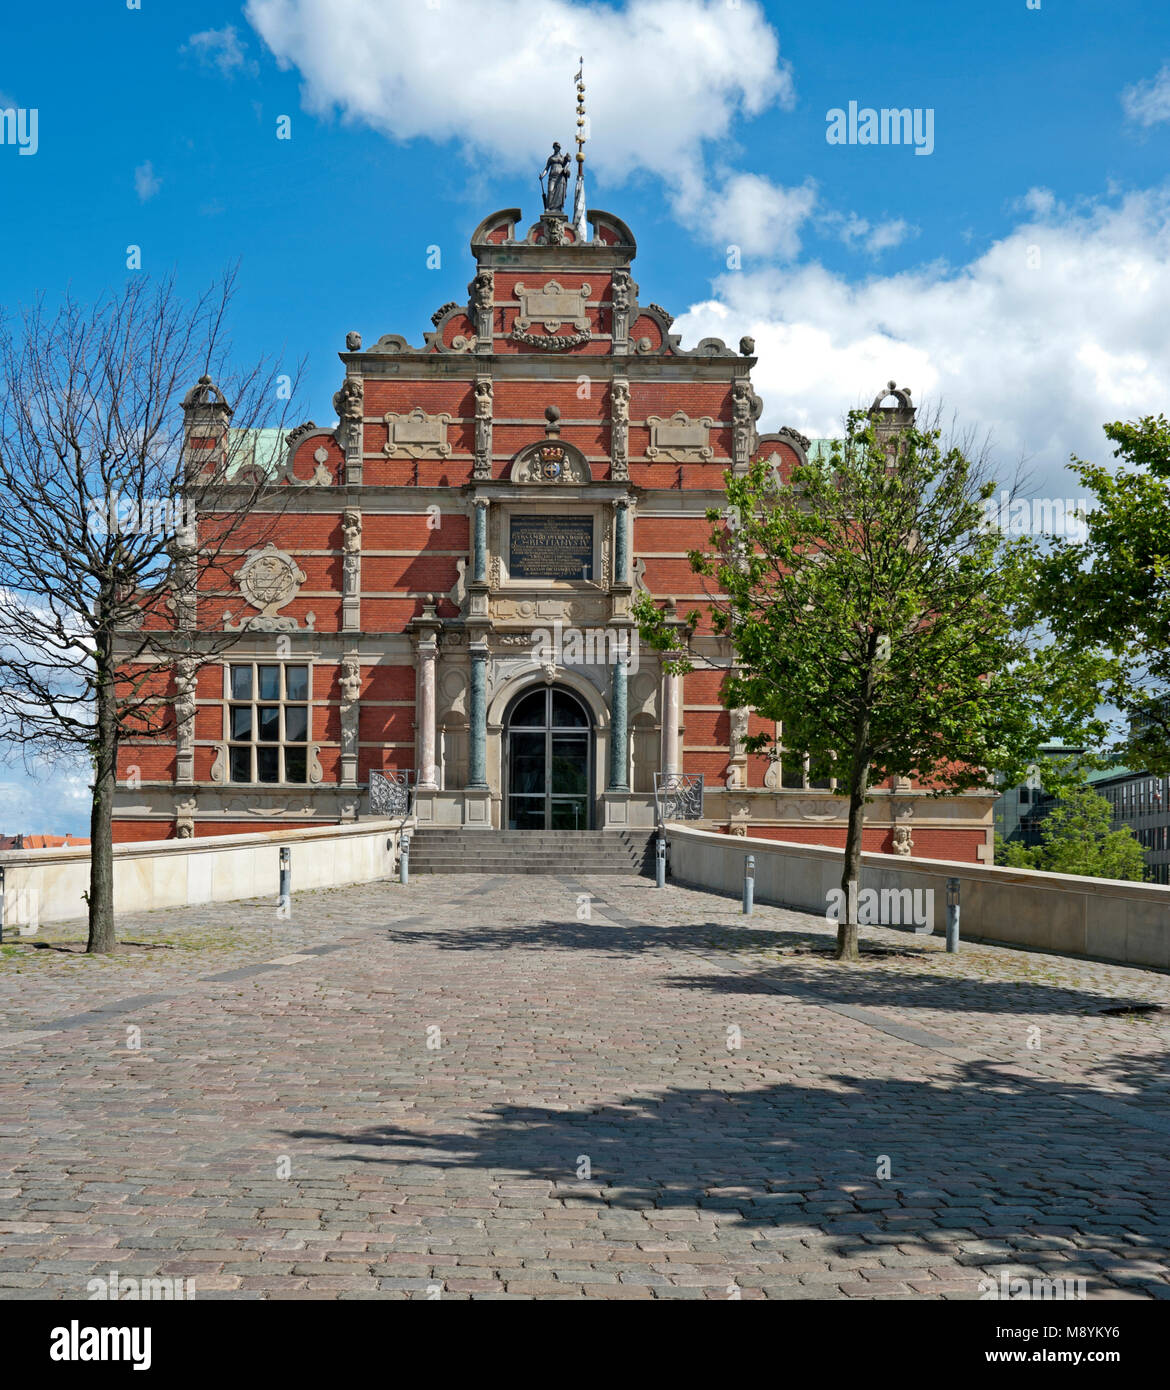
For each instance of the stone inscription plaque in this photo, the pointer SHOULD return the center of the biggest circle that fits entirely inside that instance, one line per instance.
(551, 547)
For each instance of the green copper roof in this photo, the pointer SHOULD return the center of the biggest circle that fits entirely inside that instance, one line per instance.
(259, 448)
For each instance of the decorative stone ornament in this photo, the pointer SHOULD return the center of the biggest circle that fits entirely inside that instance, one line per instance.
(551, 462)
(416, 434)
(270, 579)
(552, 306)
(481, 308)
(745, 411)
(482, 468)
(619, 447)
(185, 669)
(680, 438)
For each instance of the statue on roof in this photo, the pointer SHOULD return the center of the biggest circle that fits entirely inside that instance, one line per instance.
(556, 170)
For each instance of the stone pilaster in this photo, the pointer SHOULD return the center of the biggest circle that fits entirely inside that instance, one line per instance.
(482, 466)
(482, 309)
(619, 444)
(622, 290)
(185, 722)
(349, 403)
(351, 570)
(745, 410)
(351, 685)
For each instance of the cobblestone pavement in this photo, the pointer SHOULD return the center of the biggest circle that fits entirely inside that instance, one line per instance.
(499, 1087)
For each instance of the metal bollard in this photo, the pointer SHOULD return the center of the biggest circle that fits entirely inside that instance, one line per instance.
(660, 862)
(749, 884)
(285, 876)
(952, 914)
(1, 904)
(404, 859)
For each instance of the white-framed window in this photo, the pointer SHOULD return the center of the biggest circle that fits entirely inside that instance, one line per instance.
(269, 721)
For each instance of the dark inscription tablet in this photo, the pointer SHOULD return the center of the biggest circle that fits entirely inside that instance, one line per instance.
(551, 547)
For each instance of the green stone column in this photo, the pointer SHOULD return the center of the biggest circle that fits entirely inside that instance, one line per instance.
(621, 546)
(479, 563)
(618, 736)
(477, 754)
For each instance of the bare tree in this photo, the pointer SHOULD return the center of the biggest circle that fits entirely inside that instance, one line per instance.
(119, 524)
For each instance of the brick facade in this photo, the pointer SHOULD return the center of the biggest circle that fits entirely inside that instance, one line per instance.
(390, 630)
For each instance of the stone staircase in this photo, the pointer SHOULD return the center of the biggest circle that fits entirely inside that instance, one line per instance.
(439, 851)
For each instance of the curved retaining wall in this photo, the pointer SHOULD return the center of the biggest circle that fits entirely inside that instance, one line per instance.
(1100, 917)
(48, 885)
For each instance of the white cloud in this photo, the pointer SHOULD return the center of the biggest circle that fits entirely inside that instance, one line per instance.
(51, 800)
(662, 76)
(221, 49)
(1057, 328)
(146, 185)
(1148, 103)
(874, 237)
(750, 212)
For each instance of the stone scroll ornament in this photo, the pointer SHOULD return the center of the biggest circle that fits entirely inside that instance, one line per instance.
(269, 579)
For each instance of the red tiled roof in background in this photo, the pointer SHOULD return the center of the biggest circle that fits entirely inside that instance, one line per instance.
(41, 842)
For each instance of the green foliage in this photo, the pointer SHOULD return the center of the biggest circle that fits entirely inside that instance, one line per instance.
(1111, 591)
(1076, 838)
(877, 618)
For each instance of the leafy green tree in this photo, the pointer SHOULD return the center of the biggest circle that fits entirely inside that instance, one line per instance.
(877, 618)
(1076, 838)
(1111, 589)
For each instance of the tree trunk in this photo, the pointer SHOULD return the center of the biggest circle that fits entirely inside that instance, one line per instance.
(851, 870)
(101, 827)
(858, 786)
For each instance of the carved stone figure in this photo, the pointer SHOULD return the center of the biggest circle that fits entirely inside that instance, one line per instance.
(353, 341)
(351, 680)
(483, 290)
(351, 528)
(903, 844)
(184, 692)
(745, 410)
(483, 428)
(348, 401)
(185, 818)
(620, 430)
(556, 171)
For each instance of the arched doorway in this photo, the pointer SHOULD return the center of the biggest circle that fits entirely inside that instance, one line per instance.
(549, 759)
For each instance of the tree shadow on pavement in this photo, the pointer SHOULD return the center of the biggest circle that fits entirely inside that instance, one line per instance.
(986, 1168)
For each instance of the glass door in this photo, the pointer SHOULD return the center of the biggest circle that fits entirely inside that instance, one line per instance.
(550, 746)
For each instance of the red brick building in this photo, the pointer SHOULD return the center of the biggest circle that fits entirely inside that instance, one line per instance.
(447, 591)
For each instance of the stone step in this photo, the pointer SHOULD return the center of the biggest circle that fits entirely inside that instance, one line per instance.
(442, 850)
(595, 871)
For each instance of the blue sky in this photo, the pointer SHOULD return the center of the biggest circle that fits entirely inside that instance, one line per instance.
(1019, 274)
